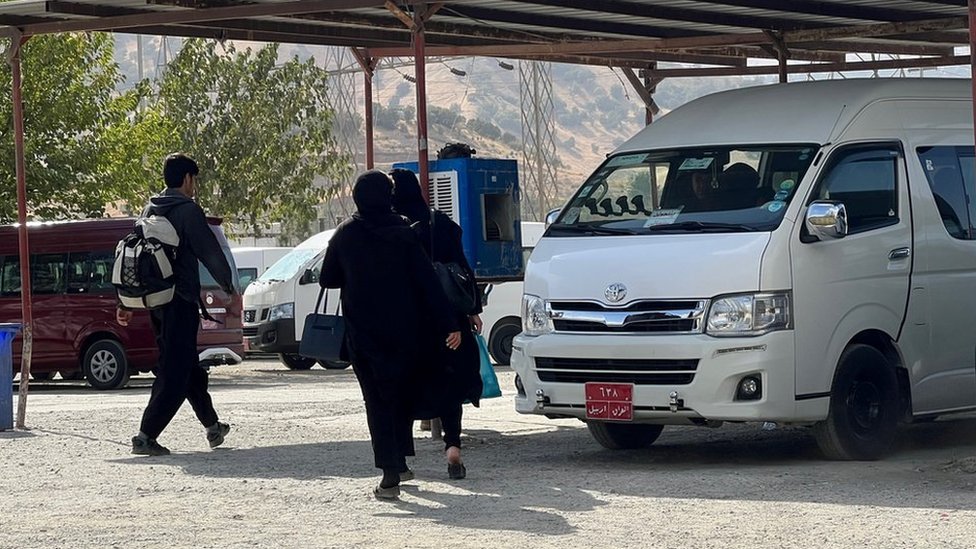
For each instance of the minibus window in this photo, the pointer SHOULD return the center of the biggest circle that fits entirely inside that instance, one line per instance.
(10, 276)
(77, 273)
(863, 178)
(949, 171)
(47, 274)
(100, 279)
(718, 189)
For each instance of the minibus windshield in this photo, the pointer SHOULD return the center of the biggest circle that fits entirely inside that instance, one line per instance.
(288, 266)
(714, 189)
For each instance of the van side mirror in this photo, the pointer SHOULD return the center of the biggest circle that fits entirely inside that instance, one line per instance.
(552, 216)
(308, 277)
(827, 220)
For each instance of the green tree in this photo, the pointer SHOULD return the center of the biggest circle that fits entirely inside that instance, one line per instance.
(261, 132)
(71, 107)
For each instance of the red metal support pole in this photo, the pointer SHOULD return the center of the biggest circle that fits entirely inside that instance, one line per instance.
(368, 97)
(25, 279)
(420, 73)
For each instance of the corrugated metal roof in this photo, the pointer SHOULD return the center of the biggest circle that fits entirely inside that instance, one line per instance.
(708, 32)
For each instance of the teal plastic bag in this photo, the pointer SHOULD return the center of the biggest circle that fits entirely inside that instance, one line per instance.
(489, 381)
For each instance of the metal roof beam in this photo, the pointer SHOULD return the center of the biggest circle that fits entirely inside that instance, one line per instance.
(817, 67)
(610, 46)
(834, 9)
(201, 15)
(798, 53)
(865, 46)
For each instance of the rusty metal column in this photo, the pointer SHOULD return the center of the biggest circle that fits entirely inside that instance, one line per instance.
(972, 57)
(25, 279)
(648, 113)
(368, 95)
(420, 73)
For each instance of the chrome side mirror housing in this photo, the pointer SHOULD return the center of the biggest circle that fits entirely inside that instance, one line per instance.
(552, 216)
(827, 220)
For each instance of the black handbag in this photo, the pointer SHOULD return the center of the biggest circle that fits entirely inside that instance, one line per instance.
(459, 287)
(324, 334)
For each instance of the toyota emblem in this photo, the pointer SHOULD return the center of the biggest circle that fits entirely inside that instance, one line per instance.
(210, 298)
(616, 292)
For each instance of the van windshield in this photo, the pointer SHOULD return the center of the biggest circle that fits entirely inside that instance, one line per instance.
(715, 189)
(288, 266)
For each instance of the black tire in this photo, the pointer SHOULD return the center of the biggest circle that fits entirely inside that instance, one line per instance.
(105, 365)
(73, 375)
(500, 340)
(296, 362)
(864, 407)
(624, 436)
(42, 376)
(329, 365)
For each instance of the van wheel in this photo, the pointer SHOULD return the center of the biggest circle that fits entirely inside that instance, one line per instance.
(863, 417)
(500, 341)
(105, 365)
(296, 362)
(624, 436)
(42, 376)
(330, 365)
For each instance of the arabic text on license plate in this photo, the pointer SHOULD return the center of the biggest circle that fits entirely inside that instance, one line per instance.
(610, 401)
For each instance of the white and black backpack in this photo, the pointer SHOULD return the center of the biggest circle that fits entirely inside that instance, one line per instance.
(143, 269)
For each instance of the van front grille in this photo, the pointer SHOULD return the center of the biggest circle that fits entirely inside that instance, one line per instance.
(250, 331)
(638, 317)
(636, 371)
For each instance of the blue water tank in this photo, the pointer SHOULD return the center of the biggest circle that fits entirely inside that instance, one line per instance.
(482, 196)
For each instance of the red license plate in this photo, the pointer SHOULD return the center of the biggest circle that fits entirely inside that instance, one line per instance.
(610, 401)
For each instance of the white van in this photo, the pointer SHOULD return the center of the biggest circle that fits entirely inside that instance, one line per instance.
(798, 253)
(253, 261)
(276, 304)
(501, 312)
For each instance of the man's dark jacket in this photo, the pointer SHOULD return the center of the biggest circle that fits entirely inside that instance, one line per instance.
(197, 243)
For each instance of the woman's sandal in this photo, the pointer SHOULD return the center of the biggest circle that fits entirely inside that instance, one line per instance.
(456, 471)
(393, 492)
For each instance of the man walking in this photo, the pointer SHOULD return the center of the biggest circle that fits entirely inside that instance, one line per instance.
(179, 376)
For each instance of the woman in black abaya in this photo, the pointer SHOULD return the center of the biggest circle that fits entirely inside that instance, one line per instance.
(391, 301)
(460, 378)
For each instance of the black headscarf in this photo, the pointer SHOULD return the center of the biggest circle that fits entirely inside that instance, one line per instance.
(373, 195)
(408, 201)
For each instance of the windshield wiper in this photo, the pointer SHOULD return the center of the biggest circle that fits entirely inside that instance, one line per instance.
(702, 227)
(590, 228)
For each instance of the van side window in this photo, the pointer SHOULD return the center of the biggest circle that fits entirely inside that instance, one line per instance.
(949, 171)
(10, 276)
(47, 274)
(90, 272)
(100, 277)
(865, 179)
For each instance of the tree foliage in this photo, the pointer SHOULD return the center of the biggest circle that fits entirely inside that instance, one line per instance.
(70, 108)
(261, 132)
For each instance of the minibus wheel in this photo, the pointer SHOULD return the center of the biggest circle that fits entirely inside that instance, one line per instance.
(105, 365)
(296, 362)
(863, 417)
(500, 342)
(624, 436)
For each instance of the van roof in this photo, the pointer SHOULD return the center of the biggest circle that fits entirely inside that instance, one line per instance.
(800, 112)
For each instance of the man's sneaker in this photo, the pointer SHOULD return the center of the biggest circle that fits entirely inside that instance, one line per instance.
(216, 436)
(148, 447)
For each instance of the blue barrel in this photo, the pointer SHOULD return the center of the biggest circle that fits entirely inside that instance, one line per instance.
(7, 334)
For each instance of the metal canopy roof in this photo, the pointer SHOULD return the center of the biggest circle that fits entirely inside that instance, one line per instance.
(717, 35)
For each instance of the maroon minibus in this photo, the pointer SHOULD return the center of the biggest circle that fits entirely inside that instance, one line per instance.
(74, 302)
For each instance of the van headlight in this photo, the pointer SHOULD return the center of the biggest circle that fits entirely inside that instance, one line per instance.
(535, 316)
(749, 314)
(278, 312)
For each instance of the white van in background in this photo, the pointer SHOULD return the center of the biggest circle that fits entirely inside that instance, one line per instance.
(276, 304)
(501, 316)
(797, 253)
(253, 261)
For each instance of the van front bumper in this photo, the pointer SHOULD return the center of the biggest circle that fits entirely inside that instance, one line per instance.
(708, 395)
(276, 336)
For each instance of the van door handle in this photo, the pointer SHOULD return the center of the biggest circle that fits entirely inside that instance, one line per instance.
(900, 253)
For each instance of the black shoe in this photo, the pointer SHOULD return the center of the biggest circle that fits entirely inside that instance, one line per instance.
(392, 492)
(456, 471)
(148, 447)
(407, 475)
(216, 438)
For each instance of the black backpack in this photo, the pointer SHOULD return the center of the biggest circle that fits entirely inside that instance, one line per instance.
(143, 270)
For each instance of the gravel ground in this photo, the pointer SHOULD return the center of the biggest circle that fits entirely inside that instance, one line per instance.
(296, 471)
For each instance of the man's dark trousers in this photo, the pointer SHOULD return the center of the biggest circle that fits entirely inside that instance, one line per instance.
(178, 376)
